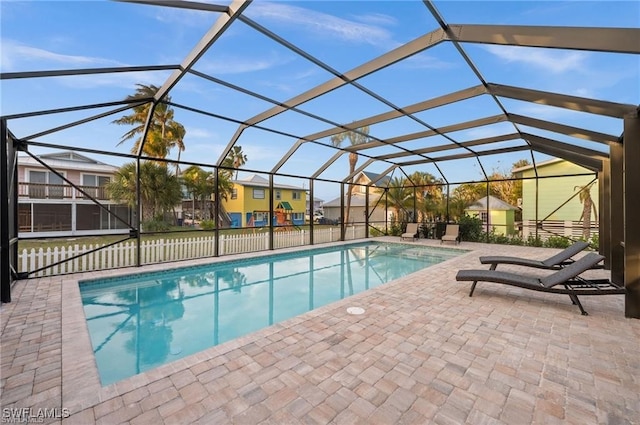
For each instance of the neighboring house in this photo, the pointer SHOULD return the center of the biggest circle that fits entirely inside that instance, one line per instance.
(49, 206)
(317, 205)
(558, 201)
(248, 204)
(378, 215)
(498, 214)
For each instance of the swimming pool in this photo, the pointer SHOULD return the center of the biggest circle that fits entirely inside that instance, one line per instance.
(138, 322)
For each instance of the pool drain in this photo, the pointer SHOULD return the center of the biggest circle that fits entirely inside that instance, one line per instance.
(355, 310)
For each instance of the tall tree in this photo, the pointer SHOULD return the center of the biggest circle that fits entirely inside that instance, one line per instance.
(164, 133)
(429, 195)
(159, 189)
(235, 159)
(355, 138)
(202, 185)
(399, 197)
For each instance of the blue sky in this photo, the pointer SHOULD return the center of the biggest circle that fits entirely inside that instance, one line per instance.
(50, 35)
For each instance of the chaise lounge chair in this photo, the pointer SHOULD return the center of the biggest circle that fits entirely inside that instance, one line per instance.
(451, 234)
(411, 232)
(564, 281)
(555, 262)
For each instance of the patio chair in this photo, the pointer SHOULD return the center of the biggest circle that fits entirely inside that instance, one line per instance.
(555, 262)
(451, 234)
(564, 281)
(411, 232)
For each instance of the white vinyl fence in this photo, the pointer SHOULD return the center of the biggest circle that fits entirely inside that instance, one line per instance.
(160, 250)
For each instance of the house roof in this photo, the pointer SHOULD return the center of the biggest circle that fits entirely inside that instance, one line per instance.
(357, 200)
(259, 181)
(494, 204)
(375, 177)
(67, 160)
(538, 165)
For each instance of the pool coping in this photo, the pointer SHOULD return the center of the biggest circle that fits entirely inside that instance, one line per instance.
(81, 387)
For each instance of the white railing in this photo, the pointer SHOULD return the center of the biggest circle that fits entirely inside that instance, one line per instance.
(548, 228)
(161, 250)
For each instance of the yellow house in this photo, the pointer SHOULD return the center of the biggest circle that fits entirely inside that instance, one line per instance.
(558, 201)
(494, 212)
(557, 198)
(248, 205)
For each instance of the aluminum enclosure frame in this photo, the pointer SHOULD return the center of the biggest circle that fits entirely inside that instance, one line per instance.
(622, 244)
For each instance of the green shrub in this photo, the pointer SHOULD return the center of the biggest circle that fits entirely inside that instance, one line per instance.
(374, 231)
(396, 229)
(533, 241)
(471, 229)
(155, 225)
(516, 240)
(424, 230)
(208, 224)
(557, 242)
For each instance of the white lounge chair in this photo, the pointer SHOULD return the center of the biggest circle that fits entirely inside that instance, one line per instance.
(411, 232)
(451, 234)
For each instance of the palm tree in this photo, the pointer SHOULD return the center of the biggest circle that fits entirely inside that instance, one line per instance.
(429, 194)
(587, 206)
(202, 185)
(176, 133)
(159, 190)
(164, 133)
(235, 159)
(356, 138)
(399, 197)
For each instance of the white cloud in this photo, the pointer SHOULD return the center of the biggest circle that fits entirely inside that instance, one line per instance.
(16, 55)
(200, 133)
(425, 61)
(551, 60)
(238, 65)
(377, 19)
(322, 24)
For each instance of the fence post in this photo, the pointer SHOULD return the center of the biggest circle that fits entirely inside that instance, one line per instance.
(568, 228)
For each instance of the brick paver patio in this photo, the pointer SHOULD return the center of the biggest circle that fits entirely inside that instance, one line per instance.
(423, 352)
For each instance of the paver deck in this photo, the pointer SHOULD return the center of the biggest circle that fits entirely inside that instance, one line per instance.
(423, 352)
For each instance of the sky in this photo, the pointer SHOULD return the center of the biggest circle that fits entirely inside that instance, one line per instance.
(60, 35)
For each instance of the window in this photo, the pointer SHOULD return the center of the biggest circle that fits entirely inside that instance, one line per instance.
(484, 217)
(297, 216)
(234, 193)
(278, 194)
(258, 193)
(295, 195)
(95, 185)
(45, 184)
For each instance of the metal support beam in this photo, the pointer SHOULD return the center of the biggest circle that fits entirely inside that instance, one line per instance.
(575, 103)
(223, 22)
(631, 157)
(6, 277)
(581, 133)
(271, 208)
(619, 40)
(342, 228)
(604, 203)
(616, 153)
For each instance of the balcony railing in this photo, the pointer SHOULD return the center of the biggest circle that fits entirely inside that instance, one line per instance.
(59, 191)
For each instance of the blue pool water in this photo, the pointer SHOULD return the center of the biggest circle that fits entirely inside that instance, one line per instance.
(142, 321)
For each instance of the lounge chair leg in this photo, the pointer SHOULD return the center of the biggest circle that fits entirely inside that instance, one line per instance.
(473, 287)
(576, 301)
